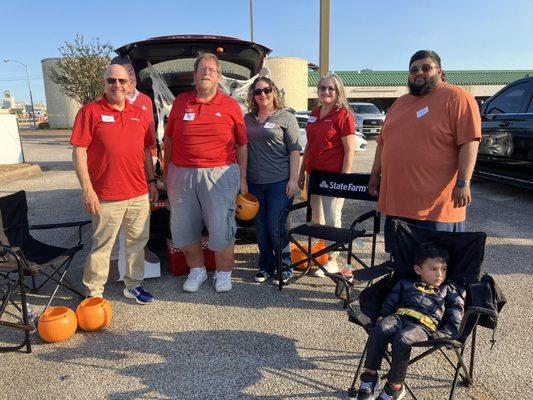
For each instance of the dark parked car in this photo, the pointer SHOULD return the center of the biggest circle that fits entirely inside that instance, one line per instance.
(506, 148)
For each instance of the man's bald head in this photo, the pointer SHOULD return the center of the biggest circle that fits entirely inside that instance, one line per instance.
(117, 84)
(115, 69)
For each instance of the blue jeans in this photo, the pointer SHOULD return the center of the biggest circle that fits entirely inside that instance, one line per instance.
(272, 200)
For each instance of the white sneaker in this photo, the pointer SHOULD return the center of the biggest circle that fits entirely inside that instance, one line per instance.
(222, 282)
(331, 266)
(196, 277)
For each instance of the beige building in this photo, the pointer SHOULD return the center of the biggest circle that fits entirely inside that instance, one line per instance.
(384, 87)
(291, 78)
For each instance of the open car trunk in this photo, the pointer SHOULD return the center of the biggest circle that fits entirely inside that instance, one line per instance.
(173, 57)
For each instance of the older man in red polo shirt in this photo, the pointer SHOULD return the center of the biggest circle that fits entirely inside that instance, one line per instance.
(205, 139)
(144, 103)
(112, 158)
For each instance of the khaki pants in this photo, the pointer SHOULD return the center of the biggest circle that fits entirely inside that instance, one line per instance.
(134, 216)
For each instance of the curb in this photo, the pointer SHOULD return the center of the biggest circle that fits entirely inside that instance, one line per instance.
(24, 171)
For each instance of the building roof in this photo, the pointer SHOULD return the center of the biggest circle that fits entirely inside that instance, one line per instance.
(399, 78)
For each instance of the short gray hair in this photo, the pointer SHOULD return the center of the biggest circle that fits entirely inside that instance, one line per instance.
(121, 60)
(207, 56)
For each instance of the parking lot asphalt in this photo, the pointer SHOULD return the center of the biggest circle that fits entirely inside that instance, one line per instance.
(254, 342)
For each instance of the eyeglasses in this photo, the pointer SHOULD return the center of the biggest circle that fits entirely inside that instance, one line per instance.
(257, 92)
(326, 88)
(112, 81)
(207, 70)
(424, 68)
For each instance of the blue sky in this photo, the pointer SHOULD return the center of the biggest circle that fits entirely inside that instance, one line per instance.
(382, 35)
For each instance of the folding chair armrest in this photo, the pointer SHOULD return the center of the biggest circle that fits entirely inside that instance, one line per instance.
(361, 218)
(15, 252)
(9, 249)
(60, 225)
(448, 342)
(480, 311)
(365, 216)
(368, 274)
(296, 206)
(73, 224)
(287, 210)
(357, 317)
(475, 312)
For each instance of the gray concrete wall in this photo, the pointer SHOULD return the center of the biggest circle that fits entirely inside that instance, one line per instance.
(62, 110)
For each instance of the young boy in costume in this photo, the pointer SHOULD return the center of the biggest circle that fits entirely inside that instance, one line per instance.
(414, 311)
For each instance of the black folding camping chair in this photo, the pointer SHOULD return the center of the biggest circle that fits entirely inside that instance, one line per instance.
(347, 186)
(22, 256)
(466, 251)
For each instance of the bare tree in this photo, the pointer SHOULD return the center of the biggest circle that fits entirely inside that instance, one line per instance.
(80, 69)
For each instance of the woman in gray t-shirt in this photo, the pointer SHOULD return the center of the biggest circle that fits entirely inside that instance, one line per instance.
(273, 162)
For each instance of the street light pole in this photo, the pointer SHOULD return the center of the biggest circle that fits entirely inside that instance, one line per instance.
(251, 20)
(29, 88)
(324, 36)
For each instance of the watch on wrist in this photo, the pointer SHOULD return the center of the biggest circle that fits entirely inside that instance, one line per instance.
(461, 183)
(153, 180)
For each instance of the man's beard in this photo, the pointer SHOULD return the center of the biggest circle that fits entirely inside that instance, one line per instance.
(427, 86)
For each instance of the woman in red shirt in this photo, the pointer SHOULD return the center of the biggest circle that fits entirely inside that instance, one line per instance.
(331, 148)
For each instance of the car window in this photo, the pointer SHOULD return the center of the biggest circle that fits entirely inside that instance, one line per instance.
(365, 109)
(174, 70)
(530, 106)
(508, 101)
(302, 122)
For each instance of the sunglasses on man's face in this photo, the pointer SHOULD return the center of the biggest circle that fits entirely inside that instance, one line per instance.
(326, 88)
(424, 68)
(258, 92)
(112, 81)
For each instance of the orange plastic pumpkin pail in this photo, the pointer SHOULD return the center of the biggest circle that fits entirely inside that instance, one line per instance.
(247, 207)
(319, 245)
(94, 314)
(57, 324)
(298, 255)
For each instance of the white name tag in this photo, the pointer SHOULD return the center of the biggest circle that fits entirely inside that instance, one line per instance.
(311, 119)
(189, 116)
(108, 118)
(270, 125)
(422, 112)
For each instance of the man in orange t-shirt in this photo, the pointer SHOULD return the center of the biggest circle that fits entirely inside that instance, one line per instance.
(427, 150)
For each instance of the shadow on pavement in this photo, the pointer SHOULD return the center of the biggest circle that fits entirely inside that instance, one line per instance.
(175, 365)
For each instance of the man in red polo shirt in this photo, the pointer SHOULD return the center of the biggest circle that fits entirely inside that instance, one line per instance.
(205, 138)
(112, 159)
(144, 103)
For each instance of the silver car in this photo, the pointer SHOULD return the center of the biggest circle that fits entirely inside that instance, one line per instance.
(368, 118)
(303, 116)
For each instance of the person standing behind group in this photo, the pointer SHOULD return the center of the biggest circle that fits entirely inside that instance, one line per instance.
(273, 161)
(205, 159)
(330, 148)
